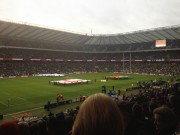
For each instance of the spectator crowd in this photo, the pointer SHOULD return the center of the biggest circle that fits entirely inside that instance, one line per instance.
(20, 62)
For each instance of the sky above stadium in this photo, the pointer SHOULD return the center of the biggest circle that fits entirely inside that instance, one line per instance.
(93, 16)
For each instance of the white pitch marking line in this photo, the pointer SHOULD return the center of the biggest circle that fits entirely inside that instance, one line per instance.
(24, 111)
(3, 103)
(21, 98)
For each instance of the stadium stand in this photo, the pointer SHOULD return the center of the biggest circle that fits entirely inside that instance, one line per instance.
(43, 61)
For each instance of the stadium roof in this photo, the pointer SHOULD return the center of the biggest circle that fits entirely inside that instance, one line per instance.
(37, 33)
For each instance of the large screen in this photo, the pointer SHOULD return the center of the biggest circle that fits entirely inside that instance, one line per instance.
(161, 43)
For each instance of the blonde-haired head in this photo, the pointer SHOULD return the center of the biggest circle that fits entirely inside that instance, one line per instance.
(98, 115)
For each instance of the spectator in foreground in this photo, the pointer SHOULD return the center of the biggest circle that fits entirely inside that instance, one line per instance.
(9, 128)
(98, 115)
(24, 128)
(165, 121)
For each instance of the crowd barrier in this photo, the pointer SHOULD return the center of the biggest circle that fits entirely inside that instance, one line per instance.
(133, 88)
(54, 105)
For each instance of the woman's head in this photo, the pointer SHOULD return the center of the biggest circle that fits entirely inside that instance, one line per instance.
(98, 114)
(164, 119)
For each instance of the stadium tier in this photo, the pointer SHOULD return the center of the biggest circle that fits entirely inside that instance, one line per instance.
(27, 62)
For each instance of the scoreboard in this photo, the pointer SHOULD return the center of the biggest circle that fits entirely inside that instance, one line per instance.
(160, 43)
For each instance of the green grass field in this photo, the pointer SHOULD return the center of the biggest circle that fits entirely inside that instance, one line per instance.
(19, 94)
